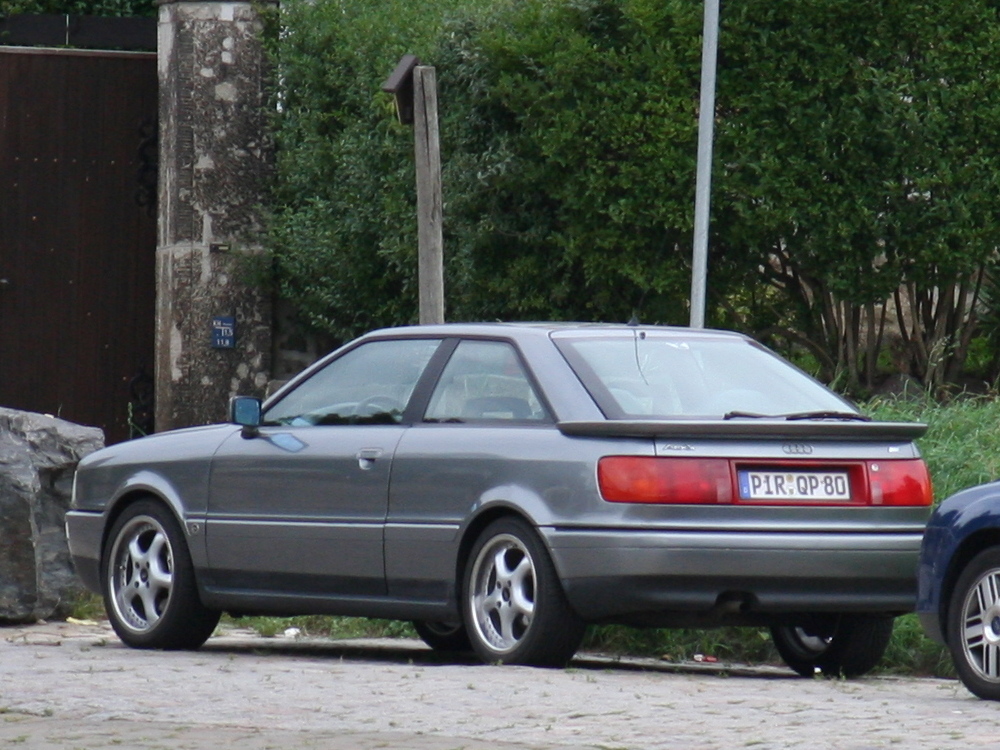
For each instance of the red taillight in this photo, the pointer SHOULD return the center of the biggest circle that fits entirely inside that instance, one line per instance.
(700, 481)
(646, 479)
(900, 482)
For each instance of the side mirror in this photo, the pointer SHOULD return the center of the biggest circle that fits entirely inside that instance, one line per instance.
(245, 411)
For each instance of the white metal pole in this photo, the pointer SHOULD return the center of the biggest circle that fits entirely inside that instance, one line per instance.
(703, 182)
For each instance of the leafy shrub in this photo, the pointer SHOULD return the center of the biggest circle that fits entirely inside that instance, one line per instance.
(844, 179)
(571, 135)
(114, 8)
(567, 184)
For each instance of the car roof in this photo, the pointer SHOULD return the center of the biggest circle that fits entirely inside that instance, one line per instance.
(516, 329)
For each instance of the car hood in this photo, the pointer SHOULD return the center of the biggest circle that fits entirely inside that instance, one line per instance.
(190, 442)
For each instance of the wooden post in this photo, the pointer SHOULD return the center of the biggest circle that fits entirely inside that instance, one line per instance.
(430, 254)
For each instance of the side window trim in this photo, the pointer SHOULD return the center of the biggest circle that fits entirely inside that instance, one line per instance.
(421, 396)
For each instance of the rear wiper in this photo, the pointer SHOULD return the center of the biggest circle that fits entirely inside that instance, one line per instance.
(828, 415)
(799, 415)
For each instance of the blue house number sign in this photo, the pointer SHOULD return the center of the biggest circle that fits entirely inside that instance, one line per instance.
(223, 332)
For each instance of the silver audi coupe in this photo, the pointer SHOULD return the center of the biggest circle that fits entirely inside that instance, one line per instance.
(503, 485)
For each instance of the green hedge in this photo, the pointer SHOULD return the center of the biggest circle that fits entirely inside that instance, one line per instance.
(855, 151)
(568, 142)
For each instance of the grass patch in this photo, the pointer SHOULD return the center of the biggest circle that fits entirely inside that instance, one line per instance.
(322, 626)
(962, 444)
(910, 652)
(87, 606)
(730, 644)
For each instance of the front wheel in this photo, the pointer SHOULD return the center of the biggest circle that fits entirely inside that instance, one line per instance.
(149, 584)
(515, 609)
(847, 645)
(973, 625)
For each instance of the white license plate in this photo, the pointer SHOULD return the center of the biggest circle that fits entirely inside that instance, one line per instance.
(794, 485)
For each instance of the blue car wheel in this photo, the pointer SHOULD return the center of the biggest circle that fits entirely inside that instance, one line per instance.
(974, 625)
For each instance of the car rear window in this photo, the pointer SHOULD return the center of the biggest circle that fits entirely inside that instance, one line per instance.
(651, 375)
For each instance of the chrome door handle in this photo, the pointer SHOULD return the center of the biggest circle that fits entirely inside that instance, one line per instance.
(367, 457)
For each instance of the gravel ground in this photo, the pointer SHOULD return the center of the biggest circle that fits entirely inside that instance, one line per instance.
(74, 686)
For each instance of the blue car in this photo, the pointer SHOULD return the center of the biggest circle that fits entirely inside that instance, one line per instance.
(958, 598)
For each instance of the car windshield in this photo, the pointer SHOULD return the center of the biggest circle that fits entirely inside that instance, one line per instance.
(652, 375)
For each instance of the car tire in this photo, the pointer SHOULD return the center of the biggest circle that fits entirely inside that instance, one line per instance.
(973, 625)
(515, 609)
(443, 636)
(847, 645)
(149, 583)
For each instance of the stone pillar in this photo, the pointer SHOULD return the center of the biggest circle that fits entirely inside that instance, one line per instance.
(216, 163)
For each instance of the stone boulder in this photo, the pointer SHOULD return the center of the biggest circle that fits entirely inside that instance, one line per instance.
(38, 455)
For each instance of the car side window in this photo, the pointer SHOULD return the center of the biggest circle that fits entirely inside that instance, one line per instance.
(368, 385)
(484, 381)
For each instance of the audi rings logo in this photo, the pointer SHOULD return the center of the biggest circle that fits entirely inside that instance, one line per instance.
(797, 449)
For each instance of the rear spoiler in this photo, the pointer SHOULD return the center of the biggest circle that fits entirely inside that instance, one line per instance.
(745, 428)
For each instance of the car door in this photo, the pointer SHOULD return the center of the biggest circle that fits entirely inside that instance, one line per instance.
(299, 508)
(484, 425)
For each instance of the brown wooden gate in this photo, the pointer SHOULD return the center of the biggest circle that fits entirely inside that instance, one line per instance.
(77, 234)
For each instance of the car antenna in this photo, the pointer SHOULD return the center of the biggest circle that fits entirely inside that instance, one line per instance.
(633, 321)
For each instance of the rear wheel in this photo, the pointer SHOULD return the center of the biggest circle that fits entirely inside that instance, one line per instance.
(149, 584)
(514, 606)
(973, 627)
(443, 636)
(847, 645)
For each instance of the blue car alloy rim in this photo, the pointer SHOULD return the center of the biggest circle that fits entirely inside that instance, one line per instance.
(980, 634)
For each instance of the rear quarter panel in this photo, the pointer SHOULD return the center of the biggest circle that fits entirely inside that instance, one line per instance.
(445, 477)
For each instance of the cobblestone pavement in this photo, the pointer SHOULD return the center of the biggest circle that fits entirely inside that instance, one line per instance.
(74, 686)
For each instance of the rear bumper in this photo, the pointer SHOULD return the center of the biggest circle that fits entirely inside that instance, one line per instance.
(609, 574)
(84, 533)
